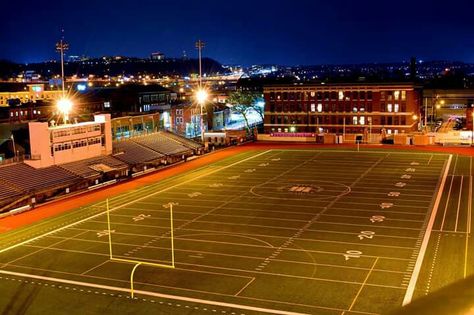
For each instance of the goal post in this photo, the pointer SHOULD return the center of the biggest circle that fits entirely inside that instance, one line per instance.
(136, 260)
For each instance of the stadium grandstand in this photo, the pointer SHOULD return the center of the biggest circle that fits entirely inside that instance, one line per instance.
(78, 157)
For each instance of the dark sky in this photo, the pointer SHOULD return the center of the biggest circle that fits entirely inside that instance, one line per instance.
(243, 31)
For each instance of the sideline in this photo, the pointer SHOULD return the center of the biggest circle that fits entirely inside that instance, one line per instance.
(424, 245)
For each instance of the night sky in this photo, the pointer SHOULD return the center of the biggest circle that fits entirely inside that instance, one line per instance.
(242, 32)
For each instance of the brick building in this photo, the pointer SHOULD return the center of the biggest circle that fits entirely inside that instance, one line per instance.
(342, 108)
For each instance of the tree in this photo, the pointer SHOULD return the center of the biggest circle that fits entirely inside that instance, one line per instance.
(241, 103)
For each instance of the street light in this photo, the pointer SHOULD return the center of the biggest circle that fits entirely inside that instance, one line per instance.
(64, 106)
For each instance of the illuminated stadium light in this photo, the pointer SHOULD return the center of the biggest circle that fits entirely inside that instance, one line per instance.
(64, 106)
(201, 96)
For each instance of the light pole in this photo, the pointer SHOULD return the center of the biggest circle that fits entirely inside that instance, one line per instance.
(201, 94)
(201, 97)
(200, 45)
(61, 46)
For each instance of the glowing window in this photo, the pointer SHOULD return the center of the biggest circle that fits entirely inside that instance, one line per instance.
(389, 108)
(313, 107)
(362, 120)
(320, 108)
(396, 108)
(396, 95)
(341, 95)
(354, 120)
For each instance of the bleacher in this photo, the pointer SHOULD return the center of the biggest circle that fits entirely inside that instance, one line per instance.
(94, 167)
(28, 179)
(133, 153)
(162, 144)
(182, 140)
(7, 192)
(21, 183)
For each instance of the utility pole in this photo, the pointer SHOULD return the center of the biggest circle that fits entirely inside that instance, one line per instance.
(62, 46)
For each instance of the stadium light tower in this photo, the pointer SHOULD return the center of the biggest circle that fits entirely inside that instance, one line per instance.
(62, 46)
(201, 94)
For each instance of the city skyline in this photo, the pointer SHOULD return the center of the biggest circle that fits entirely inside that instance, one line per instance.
(250, 33)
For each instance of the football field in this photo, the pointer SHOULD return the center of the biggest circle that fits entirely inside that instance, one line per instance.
(275, 231)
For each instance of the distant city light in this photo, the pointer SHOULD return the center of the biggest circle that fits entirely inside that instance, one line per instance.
(36, 88)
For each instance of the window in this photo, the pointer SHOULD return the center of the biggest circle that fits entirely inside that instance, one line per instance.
(341, 95)
(362, 120)
(396, 108)
(320, 107)
(396, 95)
(389, 108)
(313, 107)
(354, 120)
(404, 95)
(354, 109)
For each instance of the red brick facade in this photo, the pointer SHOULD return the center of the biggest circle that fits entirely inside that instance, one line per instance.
(338, 108)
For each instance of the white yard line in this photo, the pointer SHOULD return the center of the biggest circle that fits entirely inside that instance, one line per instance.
(363, 284)
(424, 245)
(429, 161)
(43, 248)
(447, 202)
(245, 286)
(459, 205)
(266, 235)
(468, 225)
(469, 207)
(185, 251)
(148, 293)
(130, 202)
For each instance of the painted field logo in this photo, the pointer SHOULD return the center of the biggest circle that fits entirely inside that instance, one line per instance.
(305, 189)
